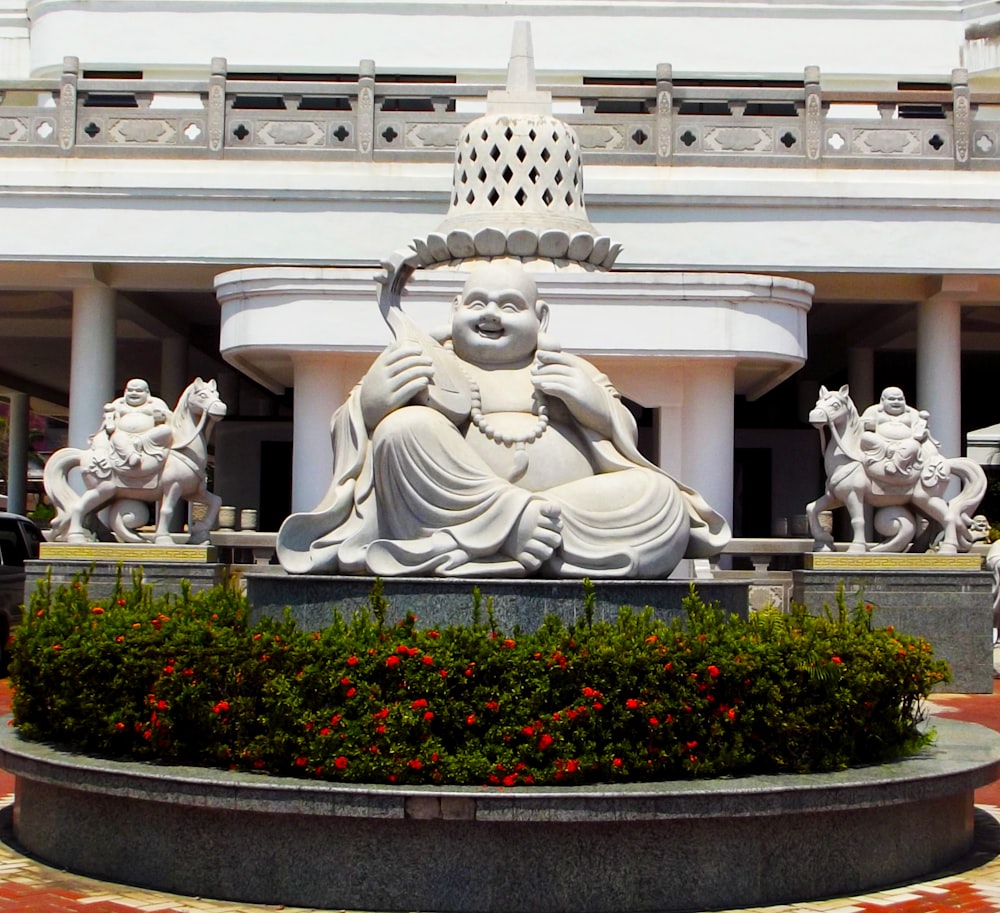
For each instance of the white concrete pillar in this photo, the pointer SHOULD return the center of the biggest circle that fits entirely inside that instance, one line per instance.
(939, 371)
(173, 368)
(708, 433)
(861, 376)
(92, 361)
(321, 385)
(17, 453)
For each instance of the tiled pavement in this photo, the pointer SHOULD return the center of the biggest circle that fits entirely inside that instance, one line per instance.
(970, 886)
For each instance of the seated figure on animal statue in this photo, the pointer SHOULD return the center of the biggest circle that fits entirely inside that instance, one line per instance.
(897, 444)
(134, 435)
(494, 454)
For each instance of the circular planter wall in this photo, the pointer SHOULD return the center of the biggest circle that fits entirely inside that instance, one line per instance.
(671, 846)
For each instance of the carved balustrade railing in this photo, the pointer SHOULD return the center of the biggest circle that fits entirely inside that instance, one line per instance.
(364, 117)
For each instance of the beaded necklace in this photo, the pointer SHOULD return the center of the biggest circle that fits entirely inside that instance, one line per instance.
(519, 441)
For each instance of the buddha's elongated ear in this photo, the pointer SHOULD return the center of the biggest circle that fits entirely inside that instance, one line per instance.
(542, 310)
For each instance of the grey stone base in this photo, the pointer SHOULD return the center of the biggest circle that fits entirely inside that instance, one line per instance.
(437, 601)
(953, 610)
(700, 845)
(165, 576)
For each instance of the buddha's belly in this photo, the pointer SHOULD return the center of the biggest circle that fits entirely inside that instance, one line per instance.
(135, 422)
(558, 456)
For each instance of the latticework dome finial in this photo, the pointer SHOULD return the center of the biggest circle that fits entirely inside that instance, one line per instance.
(517, 186)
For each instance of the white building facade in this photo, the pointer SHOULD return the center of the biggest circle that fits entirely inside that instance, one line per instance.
(148, 148)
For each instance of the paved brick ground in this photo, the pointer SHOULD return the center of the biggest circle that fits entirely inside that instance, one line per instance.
(971, 886)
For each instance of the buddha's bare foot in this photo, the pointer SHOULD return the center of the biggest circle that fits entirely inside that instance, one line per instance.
(536, 536)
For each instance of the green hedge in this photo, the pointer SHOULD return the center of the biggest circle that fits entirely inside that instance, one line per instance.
(185, 680)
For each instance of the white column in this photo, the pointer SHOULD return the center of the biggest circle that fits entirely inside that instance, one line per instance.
(939, 371)
(708, 434)
(320, 387)
(861, 376)
(173, 368)
(17, 453)
(92, 361)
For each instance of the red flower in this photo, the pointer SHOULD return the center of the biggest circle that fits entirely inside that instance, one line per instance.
(572, 766)
(119, 602)
(510, 780)
(544, 742)
(351, 692)
(528, 731)
(416, 705)
(381, 715)
(470, 720)
(119, 725)
(492, 705)
(301, 761)
(415, 764)
(427, 660)
(220, 707)
(433, 635)
(508, 643)
(653, 721)
(97, 610)
(352, 660)
(617, 762)
(392, 661)
(631, 703)
(692, 745)
(161, 705)
(836, 659)
(713, 671)
(444, 673)
(598, 705)
(340, 763)
(326, 730)
(429, 715)
(345, 680)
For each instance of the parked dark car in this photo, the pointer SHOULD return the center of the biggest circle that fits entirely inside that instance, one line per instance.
(19, 541)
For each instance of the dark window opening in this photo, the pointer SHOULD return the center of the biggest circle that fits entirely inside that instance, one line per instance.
(259, 102)
(325, 103)
(110, 100)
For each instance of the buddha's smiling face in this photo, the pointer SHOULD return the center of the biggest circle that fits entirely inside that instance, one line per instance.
(497, 318)
(136, 392)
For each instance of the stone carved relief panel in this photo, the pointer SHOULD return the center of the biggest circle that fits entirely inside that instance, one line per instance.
(13, 130)
(887, 142)
(432, 136)
(738, 139)
(601, 138)
(290, 133)
(131, 130)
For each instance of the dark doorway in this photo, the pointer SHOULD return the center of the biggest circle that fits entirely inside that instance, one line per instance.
(275, 484)
(752, 492)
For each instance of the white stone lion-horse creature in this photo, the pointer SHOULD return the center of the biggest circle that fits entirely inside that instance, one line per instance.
(120, 492)
(909, 503)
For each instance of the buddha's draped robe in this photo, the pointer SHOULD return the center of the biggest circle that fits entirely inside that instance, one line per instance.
(413, 498)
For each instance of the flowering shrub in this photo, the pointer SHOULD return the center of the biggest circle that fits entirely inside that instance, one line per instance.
(184, 679)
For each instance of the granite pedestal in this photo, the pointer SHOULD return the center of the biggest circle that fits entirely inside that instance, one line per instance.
(165, 576)
(440, 601)
(953, 610)
(693, 845)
